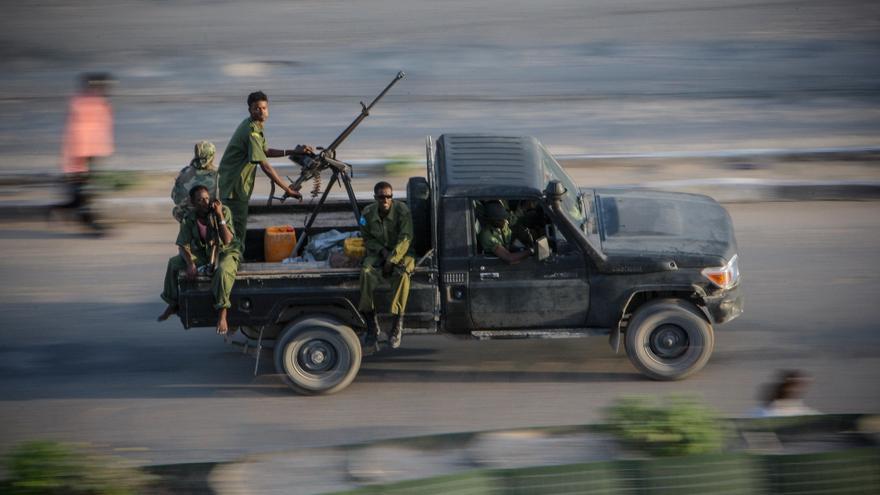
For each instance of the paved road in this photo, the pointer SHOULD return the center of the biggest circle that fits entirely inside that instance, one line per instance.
(83, 360)
(586, 76)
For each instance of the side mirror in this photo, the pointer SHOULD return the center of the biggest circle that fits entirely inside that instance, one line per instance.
(542, 248)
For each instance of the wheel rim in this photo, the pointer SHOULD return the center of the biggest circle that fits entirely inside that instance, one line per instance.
(317, 360)
(669, 342)
(317, 356)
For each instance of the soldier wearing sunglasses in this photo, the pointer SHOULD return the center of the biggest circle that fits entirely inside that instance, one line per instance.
(387, 229)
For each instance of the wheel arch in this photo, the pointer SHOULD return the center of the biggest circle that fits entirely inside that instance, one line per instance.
(639, 297)
(339, 308)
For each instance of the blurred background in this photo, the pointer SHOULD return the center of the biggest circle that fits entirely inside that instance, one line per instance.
(595, 77)
(714, 96)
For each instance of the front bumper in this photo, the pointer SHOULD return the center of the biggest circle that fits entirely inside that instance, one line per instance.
(724, 306)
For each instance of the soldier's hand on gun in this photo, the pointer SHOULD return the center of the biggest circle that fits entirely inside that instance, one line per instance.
(217, 208)
(292, 193)
(303, 149)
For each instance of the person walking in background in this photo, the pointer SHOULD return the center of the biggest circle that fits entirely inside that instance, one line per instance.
(246, 150)
(88, 137)
(199, 172)
(784, 397)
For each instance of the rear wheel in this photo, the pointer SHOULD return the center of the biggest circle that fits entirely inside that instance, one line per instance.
(318, 356)
(669, 339)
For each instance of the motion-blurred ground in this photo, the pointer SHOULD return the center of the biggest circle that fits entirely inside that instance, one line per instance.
(596, 76)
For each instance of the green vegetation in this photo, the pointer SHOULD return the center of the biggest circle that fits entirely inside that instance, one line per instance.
(675, 427)
(115, 180)
(48, 468)
(402, 166)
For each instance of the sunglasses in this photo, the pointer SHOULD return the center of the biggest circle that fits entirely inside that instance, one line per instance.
(383, 196)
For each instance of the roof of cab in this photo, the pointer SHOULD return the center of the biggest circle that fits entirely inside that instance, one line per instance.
(478, 165)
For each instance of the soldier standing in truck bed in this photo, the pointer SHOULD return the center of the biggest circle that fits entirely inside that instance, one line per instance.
(199, 172)
(246, 150)
(387, 229)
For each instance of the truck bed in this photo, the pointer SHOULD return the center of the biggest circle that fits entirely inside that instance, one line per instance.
(268, 294)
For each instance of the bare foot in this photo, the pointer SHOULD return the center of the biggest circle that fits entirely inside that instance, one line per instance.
(222, 326)
(170, 310)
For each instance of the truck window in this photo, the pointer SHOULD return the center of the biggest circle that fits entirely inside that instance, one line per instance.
(527, 220)
(571, 202)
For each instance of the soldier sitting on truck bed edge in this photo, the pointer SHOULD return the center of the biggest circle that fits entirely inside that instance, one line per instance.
(205, 236)
(387, 229)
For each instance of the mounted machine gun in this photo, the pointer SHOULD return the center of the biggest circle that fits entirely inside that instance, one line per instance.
(313, 164)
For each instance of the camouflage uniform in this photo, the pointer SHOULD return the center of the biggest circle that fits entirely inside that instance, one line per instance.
(490, 237)
(199, 172)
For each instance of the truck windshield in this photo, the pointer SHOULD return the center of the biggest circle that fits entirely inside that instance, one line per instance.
(571, 204)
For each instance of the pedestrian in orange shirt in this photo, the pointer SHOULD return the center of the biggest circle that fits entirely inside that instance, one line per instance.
(88, 137)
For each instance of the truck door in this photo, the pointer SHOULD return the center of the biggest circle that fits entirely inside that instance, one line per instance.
(553, 293)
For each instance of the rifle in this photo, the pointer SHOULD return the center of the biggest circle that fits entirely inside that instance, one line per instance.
(215, 249)
(313, 164)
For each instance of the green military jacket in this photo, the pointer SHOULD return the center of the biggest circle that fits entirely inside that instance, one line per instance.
(238, 167)
(201, 248)
(490, 237)
(394, 232)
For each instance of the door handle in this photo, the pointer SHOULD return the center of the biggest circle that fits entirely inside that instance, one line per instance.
(490, 276)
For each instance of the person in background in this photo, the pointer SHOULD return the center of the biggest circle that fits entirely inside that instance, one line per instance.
(387, 229)
(247, 149)
(200, 171)
(207, 246)
(784, 397)
(88, 138)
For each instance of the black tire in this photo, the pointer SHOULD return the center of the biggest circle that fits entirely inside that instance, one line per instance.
(318, 356)
(417, 198)
(669, 339)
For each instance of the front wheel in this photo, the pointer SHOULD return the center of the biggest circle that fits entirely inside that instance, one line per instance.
(318, 356)
(669, 339)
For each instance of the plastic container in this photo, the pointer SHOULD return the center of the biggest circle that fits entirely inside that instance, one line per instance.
(354, 247)
(278, 242)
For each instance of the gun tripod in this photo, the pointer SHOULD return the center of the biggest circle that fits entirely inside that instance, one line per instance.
(312, 165)
(340, 175)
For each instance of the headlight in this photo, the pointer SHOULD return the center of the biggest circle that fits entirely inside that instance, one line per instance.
(726, 276)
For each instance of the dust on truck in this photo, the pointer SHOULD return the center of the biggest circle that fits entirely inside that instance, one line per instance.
(655, 271)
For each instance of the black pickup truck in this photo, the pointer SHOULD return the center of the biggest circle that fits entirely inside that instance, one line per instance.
(655, 270)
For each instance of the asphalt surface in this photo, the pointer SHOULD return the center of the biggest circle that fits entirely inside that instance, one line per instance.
(84, 360)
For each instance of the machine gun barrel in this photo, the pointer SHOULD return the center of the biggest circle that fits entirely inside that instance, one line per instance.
(365, 111)
(313, 164)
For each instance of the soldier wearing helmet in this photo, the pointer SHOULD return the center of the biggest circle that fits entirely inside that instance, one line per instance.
(497, 238)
